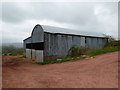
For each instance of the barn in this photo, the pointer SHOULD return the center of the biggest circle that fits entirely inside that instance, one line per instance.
(47, 42)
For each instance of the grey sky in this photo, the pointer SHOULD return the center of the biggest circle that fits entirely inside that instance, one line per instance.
(19, 18)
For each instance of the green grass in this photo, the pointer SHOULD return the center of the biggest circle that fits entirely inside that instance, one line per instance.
(63, 60)
(102, 51)
(91, 53)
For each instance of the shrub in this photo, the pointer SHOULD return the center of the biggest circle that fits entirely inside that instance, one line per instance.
(115, 43)
(76, 51)
(110, 38)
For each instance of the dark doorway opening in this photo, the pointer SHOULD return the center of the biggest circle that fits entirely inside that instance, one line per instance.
(36, 46)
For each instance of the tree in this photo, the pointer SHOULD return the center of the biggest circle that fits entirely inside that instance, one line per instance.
(110, 38)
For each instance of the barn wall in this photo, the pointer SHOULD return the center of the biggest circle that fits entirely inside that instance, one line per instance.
(33, 53)
(27, 50)
(37, 55)
(25, 42)
(60, 44)
(92, 43)
(28, 53)
(95, 42)
(37, 34)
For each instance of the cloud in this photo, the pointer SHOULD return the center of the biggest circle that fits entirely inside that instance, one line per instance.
(11, 13)
(60, 12)
(107, 15)
(19, 18)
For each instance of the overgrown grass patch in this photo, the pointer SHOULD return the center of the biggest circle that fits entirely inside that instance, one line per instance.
(102, 51)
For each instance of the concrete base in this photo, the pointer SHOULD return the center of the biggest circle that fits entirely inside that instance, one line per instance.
(28, 53)
(35, 54)
(39, 55)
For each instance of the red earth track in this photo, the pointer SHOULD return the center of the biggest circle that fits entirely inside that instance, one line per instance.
(98, 72)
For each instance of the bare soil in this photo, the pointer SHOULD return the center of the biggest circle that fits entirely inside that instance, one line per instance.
(98, 72)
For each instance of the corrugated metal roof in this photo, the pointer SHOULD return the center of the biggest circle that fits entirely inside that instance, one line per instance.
(60, 30)
(27, 38)
(53, 29)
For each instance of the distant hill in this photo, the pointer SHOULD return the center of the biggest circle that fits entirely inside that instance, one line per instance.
(19, 45)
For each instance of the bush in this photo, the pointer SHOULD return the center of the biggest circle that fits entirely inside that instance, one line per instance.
(11, 50)
(115, 43)
(110, 38)
(76, 51)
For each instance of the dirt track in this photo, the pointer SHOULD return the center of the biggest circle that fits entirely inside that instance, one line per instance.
(98, 72)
